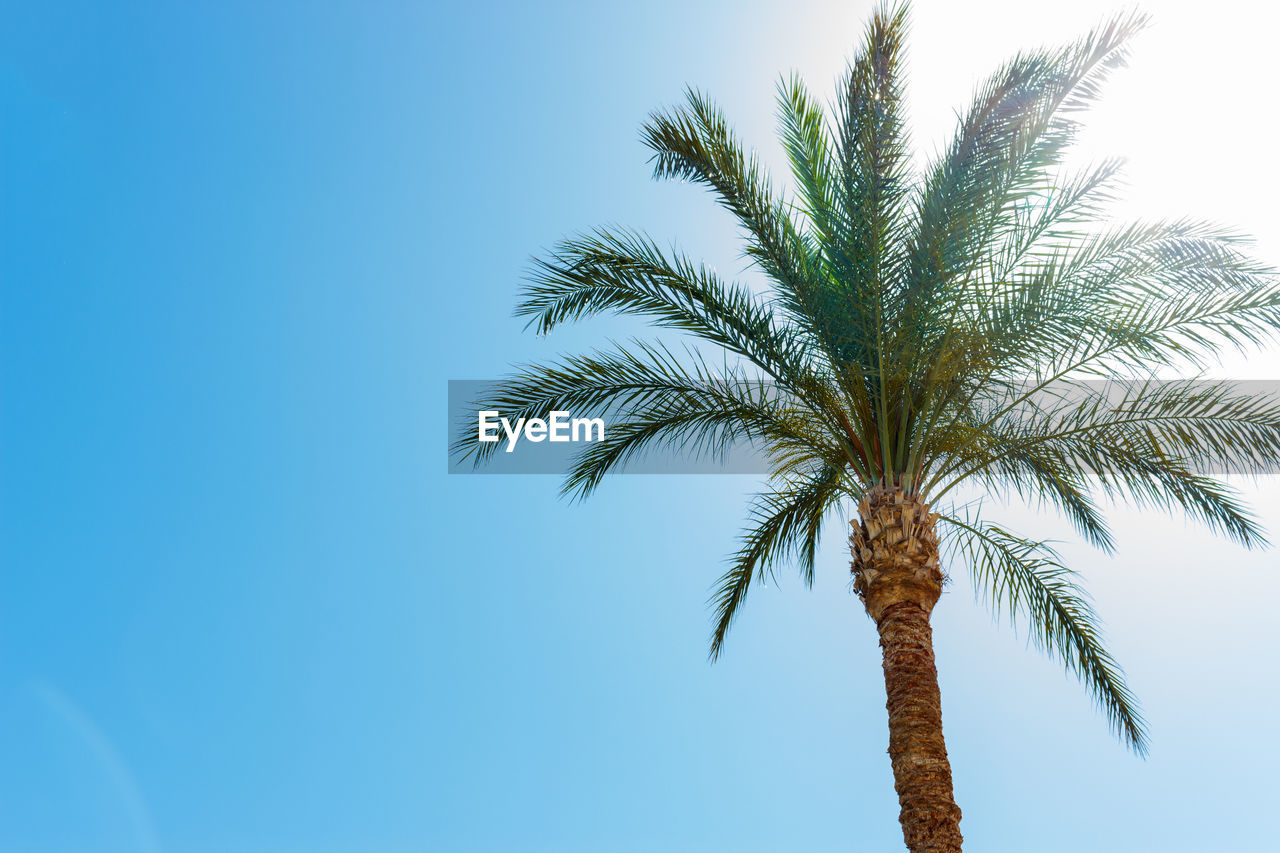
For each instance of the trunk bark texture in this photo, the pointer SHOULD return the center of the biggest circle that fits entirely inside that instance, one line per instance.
(897, 575)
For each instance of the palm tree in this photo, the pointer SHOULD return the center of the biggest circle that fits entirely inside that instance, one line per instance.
(977, 324)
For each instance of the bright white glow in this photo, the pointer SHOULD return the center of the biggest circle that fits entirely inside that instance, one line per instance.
(1194, 114)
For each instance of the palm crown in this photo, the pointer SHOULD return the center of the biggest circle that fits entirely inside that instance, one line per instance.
(924, 330)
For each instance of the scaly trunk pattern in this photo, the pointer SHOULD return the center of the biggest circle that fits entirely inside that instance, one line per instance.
(897, 575)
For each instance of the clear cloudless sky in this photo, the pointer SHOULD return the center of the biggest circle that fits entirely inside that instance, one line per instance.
(243, 246)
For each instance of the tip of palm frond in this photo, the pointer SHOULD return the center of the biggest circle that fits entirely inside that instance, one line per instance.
(717, 646)
(1127, 723)
(1138, 741)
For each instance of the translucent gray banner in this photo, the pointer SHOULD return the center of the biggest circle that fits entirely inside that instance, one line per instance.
(550, 444)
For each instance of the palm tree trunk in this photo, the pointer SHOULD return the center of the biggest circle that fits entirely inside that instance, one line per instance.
(896, 573)
(930, 817)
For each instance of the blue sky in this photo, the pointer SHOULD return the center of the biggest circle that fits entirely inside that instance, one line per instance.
(244, 246)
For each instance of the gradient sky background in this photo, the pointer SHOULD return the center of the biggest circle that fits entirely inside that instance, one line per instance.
(242, 608)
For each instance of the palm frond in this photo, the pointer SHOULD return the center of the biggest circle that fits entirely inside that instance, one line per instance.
(627, 273)
(786, 522)
(807, 140)
(1016, 131)
(695, 143)
(1026, 578)
(1136, 440)
(873, 160)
